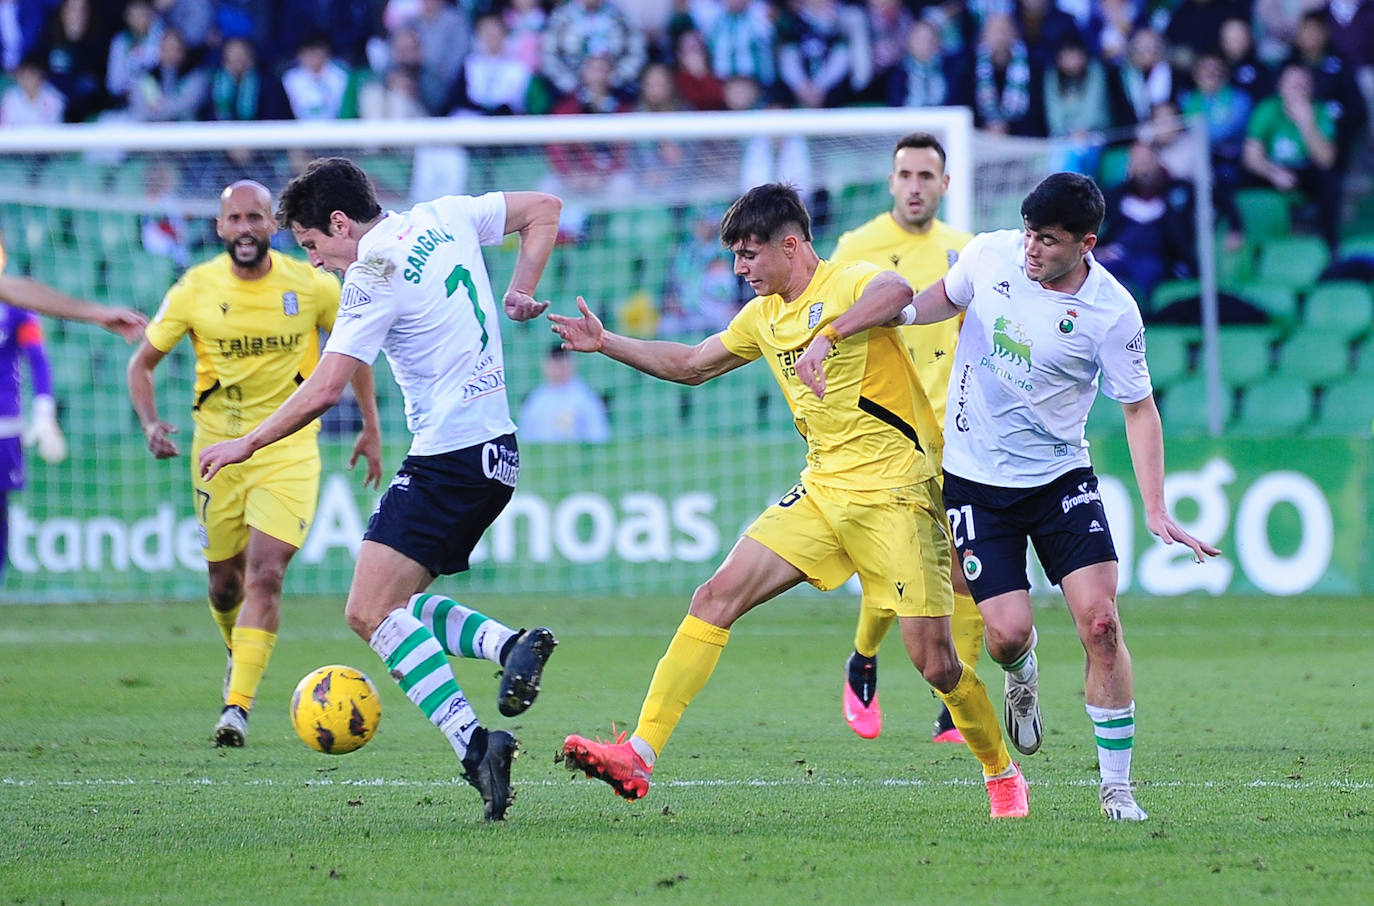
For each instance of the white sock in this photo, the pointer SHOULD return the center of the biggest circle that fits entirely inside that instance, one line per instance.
(1115, 732)
(416, 662)
(461, 630)
(643, 750)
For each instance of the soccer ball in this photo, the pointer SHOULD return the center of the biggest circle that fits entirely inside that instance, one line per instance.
(335, 709)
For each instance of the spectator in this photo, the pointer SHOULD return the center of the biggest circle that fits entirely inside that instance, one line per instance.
(581, 29)
(1076, 94)
(1226, 110)
(1195, 26)
(1143, 79)
(164, 228)
(75, 53)
(133, 51)
(174, 89)
(1006, 88)
(444, 44)
(396, 96)
(924, 77)
(1111, 30)
(525, 21)
(888, 24)
(24, 22)
(193, 18)
(1045, 28)
(740, 41)
(1178, 149)
(586, 170)
(563, 409)
(701, 293)
(959, 26)
(1352, 35)
(1291, 144)
(349, 25)
(1147, 235)
(1333, 83)
(697, 85)
(251, 20)
(493, 80)
(1248, 73)
(317, 86)
(823, 53)
(31, 100)
(239, 90)
(1273, 23)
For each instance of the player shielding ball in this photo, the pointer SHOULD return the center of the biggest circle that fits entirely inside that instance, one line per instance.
(868, 500)
(1044, 326)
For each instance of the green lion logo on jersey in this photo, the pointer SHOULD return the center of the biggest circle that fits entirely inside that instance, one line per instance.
(1016, 349)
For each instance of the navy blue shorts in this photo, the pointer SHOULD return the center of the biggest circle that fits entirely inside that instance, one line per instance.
(1064, 519)
(437, 507)
(11, 466)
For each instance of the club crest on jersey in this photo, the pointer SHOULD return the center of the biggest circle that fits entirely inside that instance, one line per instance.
(352, 297)
(813, 314)
(973, 567)
(290, 305)
(1069, 323)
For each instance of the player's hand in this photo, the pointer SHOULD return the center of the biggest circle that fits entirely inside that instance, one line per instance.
(584, 334)
(369, 447)
(126, 322)
(225, 453)
(42, 432)
(811, 365)
(1167, 530)
(522, 306)
(160, 444)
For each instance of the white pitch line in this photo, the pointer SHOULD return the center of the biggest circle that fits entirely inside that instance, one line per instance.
(1338, 785)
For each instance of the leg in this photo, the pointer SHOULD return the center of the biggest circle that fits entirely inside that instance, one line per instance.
(384, 579)
(967, 628)
(1010, 636)
(226, 593)
(255, 631)
(860, 694)
(750, 575)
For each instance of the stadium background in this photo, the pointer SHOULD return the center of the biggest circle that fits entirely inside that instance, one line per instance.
(1284, 487)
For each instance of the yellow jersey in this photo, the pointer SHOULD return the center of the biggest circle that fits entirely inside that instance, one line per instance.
(875, 428)
(922, 259)
(254, 340)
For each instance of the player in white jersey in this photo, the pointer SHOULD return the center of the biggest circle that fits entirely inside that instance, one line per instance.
(1044, 326)
(415, 286)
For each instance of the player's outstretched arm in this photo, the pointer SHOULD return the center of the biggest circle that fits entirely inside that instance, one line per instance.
(881, 302)
(369, 442)
(1145, 438)
(319, 392)
(534, 216)
(664, 359)
(931, 305)
(139, 376)
(26, 293)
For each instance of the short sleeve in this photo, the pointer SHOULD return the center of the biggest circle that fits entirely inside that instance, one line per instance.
(173, 318)
(1125, 374)
(486, 214)
(365, 316)
(959, 279)
(741, 335)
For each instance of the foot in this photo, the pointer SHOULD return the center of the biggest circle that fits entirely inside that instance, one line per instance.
(1010, 796)
(487, 767)
(861, 710)
(1118, 802)
(1021, 707)
(617, 763)
(945, 730)
(232, 727)
(521, 669)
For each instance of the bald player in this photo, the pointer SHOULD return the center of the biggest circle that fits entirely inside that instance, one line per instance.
(254, 317)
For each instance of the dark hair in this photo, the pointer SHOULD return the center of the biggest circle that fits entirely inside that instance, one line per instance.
(328, 184)
(921, 140)
(762, 213)
(1068, 200)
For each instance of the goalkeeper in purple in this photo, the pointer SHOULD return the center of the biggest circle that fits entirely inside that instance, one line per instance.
(415, 286)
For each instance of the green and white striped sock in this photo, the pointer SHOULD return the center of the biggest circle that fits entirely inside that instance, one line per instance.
(1115, 732)
(461, 630)
(417, 663)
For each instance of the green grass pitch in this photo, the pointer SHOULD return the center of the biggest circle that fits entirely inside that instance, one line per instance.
(1254, 756)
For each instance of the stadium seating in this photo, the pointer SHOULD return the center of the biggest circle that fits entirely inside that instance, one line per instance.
(1292, 261)
(1278, 301)
(1169, 352)
(1265, 213)
(1275, 405)
(1246, 353)
(1345, 408)
(1346, 308)
(1315, 355)
(1184, 407)
(1172, 291)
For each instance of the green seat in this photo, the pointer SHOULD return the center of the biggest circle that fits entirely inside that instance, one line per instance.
(1246, 353)
(1265, 213)
(1169, 352)
(1184, 410)
(1345, 307)
(1278, 301)
(1294, 261)
(1105, 419)
(1346, 408)
(1315, 355)
(74, 271)
(1172, 291)
(1276, 406)
(1111, 168)
(1362, 244)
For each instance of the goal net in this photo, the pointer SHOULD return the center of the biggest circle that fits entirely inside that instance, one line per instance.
(113, 214)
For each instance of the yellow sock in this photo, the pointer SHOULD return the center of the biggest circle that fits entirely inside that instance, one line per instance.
(874, 622)
(252, 649)
(967, 627)
(682, 671)
(225, 620)
(975, 717)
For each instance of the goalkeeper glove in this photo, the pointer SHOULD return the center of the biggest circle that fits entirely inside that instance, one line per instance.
(42, 432)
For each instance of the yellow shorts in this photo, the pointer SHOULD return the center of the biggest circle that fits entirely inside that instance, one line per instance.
(896, 540)
(275, 492)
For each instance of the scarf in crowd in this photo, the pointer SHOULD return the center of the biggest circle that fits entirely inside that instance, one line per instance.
(1012, 102)
(926, 85)
(235, 99)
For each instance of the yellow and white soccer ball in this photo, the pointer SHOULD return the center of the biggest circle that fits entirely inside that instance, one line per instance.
(335, 709)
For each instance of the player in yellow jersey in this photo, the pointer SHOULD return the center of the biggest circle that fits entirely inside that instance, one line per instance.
(868, 500)
(254, 316)
(910, 240)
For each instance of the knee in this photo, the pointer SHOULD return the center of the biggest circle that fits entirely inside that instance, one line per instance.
(1102, 633)
(1008, 636)
(361, 619)
(942, 673)
(226, 592)
(712, 603)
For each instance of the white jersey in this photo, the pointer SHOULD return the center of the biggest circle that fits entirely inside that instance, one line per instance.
(419, 291)
(1028, 364)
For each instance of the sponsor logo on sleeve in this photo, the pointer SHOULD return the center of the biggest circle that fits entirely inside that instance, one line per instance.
(1137, 343)
(352, 297)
